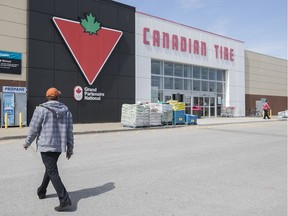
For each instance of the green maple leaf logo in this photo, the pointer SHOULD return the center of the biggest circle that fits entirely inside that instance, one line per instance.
(90, 25)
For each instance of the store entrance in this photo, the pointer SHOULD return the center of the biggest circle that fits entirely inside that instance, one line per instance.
(207, 105)
(178, 97)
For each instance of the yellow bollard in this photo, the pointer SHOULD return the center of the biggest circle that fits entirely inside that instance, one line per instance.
(6, 120)
(270, 113)
(20, 120)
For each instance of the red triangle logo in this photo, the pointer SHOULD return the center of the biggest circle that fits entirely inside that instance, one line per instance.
(90, 51)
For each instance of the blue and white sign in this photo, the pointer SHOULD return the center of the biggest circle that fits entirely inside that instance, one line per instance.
(14, 89)
(8, 107)
(10, 62)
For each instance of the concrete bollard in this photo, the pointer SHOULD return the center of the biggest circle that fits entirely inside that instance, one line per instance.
(20, 120)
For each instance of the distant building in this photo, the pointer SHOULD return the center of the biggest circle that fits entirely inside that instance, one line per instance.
(265, 78)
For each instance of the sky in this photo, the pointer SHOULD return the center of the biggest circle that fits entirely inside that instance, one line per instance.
(260, 24)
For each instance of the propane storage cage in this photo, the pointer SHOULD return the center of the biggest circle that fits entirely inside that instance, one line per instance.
(13, 106)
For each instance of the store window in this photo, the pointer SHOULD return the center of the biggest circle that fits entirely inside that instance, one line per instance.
(196, 85)
(212, 86)
(157, 81)
(204, 73)
(204, 86)
(220, 103)
(186, 79)
(187, 71)
(187, 84)
(220, 87)
(156, 95)
(179, 83)
(220, 75)
(168, 68)
(156, 67)
(212, 74)
(179, 70)
(196, 72)
(221, 99)
(168, 83)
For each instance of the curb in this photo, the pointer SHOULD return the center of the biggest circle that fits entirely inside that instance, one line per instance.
(12, 137)
(124, 129)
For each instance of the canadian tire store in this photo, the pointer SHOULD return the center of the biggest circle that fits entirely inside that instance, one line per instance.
(148, 59)
(179, 62)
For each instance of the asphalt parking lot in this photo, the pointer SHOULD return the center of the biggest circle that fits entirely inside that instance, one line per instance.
(229, 169)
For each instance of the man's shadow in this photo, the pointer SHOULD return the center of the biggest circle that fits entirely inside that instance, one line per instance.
(76, 196)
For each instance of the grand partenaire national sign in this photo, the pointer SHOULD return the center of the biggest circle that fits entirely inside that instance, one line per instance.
(165, 40)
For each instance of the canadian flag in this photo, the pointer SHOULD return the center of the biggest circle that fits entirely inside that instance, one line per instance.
(78, 93)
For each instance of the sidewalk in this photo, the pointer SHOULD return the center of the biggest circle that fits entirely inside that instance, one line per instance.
(20, 133)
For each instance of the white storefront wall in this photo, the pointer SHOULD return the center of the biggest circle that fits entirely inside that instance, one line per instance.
(233, 62)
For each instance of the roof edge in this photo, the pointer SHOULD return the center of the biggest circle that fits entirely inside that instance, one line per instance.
(189, 26)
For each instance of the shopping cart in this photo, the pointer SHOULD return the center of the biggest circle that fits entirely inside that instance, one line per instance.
(227, 111)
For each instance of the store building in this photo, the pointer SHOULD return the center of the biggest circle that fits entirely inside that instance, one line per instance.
(265, 79)
(179, 62)
(150, 60)
(50, 58)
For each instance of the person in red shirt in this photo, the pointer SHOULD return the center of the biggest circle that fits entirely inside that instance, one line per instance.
(266, 109)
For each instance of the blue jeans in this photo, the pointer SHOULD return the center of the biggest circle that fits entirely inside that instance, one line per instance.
(51, 173)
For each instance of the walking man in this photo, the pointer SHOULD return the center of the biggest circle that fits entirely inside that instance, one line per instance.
(52, 126)
(266, 109)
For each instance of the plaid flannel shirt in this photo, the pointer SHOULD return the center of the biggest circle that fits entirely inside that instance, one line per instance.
(52, 126)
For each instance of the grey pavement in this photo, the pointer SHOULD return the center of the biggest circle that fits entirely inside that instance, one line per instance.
(224, 167)
(20, 133)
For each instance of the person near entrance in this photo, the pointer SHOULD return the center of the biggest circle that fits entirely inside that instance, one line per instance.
(52, 126)
(266, 109)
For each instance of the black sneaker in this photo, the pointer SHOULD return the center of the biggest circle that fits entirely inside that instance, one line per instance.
(41, 195)
(63, 207)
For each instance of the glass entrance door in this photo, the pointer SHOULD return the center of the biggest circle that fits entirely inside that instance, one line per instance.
(212, 106)
(207, 105)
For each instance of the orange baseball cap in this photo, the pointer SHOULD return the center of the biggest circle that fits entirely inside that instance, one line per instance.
(53, 92)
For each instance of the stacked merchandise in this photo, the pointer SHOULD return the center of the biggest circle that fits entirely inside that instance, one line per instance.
(135, 115)
(177, 105)
(166, 113)
(154, 115)
(178, 111)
